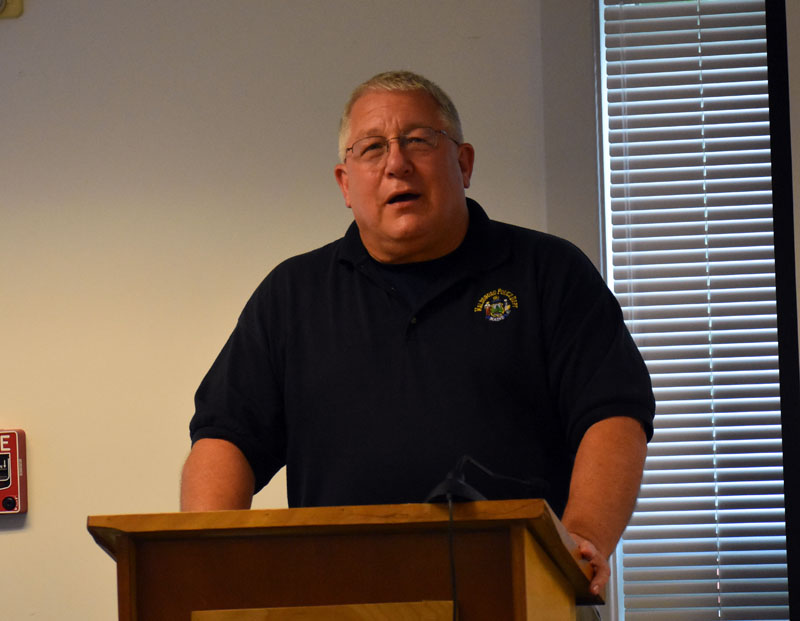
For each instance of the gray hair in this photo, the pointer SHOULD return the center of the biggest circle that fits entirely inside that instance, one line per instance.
(402, 81)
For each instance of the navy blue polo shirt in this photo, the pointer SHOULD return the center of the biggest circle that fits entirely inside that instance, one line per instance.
(510, 349)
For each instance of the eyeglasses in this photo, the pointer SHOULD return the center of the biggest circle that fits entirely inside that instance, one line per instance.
(373, 149)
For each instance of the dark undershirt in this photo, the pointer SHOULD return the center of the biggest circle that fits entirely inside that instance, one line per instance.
(412, 281)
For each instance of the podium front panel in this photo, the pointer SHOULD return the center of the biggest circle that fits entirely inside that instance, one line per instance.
(174, 577)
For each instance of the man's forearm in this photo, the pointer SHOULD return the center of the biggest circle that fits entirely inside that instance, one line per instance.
(216, 476)
(605, 483)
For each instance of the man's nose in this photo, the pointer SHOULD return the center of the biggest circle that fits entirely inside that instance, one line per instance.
(397, 160)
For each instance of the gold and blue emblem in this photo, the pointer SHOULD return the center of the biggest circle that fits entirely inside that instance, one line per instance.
(497, 304)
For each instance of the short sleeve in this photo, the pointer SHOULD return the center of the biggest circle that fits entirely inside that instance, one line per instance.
(240, 399)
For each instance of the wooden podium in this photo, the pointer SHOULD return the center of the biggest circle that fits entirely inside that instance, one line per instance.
(513, 561)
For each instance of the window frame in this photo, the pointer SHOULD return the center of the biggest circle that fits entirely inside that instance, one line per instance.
(785, 284)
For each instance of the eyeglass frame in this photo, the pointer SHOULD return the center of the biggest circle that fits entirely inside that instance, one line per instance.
(402, 141)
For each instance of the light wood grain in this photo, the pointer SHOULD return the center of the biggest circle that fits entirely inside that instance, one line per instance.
(403, 611)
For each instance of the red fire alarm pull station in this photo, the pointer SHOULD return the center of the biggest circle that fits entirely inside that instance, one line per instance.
(13, 484)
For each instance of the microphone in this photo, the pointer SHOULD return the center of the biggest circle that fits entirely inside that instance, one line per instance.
(455, 488)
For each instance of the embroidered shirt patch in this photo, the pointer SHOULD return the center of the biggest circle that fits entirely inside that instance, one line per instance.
(496, 305)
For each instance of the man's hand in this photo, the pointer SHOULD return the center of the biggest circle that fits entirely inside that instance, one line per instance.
(216, 476)
(602, 572)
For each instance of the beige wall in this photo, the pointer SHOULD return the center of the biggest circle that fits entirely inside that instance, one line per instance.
(156, 160)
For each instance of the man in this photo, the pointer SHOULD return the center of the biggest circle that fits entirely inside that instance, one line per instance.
(429, 332)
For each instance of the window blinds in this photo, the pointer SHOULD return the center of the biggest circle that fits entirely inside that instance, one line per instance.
(689, 231)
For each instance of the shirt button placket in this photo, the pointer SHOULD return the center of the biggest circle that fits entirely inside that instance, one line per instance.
(411, 328)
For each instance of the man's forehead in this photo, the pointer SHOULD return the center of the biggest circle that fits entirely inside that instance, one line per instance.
(374, 111)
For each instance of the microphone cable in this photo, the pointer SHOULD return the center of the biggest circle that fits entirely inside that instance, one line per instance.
(455, 485)
(452, 554)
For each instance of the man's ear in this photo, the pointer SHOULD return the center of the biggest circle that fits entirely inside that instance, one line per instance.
(340, 172)
(466, 160)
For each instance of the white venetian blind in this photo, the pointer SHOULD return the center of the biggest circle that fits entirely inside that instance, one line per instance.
(689, 224)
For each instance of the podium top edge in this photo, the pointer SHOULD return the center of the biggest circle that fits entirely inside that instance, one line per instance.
(356, 515)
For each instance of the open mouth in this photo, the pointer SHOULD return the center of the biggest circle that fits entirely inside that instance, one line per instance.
(402, 198)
